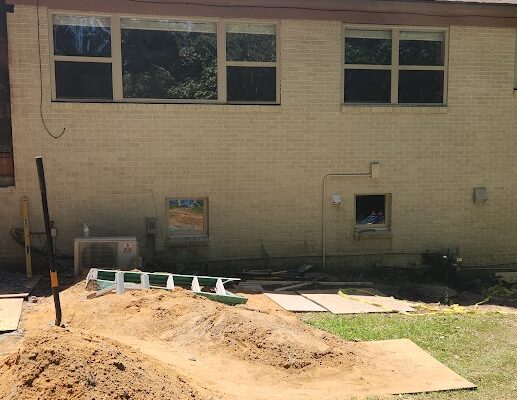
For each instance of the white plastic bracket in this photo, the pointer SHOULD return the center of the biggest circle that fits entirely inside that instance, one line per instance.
(195, 285)
(119, 282)
(170, 282)
(92, 275)
(144, 281)
(219, 287)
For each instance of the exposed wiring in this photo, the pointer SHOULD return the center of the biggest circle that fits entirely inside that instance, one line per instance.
(55, 136)
(307, 8)
(17, 236)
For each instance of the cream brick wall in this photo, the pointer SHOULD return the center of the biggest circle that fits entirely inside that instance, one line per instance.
(262, 166)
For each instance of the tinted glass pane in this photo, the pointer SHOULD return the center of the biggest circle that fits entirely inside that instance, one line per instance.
(415, 52)
(246, 47)
(82, 36)
(251, 84)
(83, 80)
(250, 42)
(367, 47)
(169, 65)
(367, 86)
(370, 209)
(421, 87)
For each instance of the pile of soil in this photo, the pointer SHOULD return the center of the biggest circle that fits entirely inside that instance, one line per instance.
(185, 320)
(64, 364)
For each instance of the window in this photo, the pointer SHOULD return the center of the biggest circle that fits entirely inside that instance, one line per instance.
(395, 66)
(169, 60)
(251, 54)
(164, 60)
(372, 211)
(82, 57)
(187, 217)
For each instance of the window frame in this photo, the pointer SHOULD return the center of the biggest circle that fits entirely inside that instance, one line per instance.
(394, 66)
(252, 64)
(116, 58)
(204, 234)
(387, 213)
(100, 60)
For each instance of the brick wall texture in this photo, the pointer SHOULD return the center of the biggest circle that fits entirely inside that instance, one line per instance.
(262, 166)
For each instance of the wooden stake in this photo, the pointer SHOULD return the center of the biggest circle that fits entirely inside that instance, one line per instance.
(50, 247)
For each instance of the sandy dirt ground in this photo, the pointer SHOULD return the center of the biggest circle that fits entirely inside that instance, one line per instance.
(174, 345)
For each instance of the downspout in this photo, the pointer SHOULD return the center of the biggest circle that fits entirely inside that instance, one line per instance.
(374, 173)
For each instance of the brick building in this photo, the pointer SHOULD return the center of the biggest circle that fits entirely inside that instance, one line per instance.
(222, 119)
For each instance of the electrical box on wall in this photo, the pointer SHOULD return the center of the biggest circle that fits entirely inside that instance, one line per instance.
(375, 171)
(151, 224)
(480, 195)
(335, 199)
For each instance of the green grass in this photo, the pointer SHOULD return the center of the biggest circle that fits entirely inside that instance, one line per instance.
(480, 347)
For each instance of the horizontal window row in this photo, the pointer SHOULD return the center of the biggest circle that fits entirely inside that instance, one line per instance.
(163, 60)
(115, 58)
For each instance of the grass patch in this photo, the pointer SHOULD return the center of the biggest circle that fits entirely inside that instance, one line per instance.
(481, 347)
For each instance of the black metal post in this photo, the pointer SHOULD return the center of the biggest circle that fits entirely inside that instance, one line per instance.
(54, 283)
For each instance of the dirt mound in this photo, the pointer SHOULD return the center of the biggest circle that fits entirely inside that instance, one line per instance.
(63, 364)
(181, 318)
(251, 335)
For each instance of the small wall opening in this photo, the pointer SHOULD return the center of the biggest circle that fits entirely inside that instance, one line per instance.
(371, 210)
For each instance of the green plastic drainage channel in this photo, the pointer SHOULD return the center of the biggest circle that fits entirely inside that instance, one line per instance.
(106, 278)
(160, 279)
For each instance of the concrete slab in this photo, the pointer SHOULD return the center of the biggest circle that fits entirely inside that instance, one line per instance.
(10, 311)
(337, 304)
(294, 302)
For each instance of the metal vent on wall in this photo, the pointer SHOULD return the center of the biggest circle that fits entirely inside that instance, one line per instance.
(98, 254)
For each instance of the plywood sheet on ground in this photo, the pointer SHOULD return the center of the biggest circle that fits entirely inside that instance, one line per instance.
(337, 304)
(294, 302)
(10, 311)
(412, 370)
(14, 296)
(388, 303)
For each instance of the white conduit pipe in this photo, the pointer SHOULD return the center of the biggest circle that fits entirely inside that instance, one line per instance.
(374, 173)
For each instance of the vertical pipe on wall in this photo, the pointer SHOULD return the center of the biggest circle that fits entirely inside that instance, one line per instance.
(374, 171)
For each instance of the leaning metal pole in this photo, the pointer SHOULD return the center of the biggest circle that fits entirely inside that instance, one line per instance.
(50, 247)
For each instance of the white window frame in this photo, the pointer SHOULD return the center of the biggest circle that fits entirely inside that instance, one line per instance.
(387, 213)
(116, 58)
(394, 67)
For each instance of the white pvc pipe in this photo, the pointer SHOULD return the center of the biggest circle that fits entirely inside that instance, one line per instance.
(323, 204)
